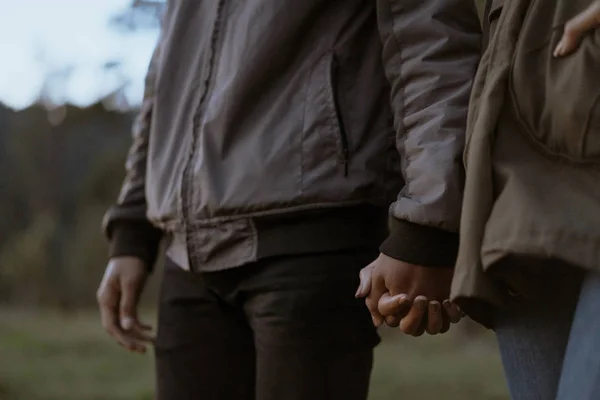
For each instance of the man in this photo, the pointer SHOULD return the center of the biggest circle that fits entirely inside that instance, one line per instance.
(265, 154)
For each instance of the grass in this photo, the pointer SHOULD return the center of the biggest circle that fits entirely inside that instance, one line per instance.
(45, 356)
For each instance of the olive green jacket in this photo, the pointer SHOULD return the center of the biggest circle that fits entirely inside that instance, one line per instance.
(532, 157)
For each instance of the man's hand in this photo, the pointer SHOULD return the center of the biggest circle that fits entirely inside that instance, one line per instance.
(392, 286)
(118, 298)
(576, 28)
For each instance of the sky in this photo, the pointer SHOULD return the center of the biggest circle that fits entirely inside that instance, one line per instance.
(38, 37)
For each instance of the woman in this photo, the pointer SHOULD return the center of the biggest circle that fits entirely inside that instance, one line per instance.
(529, 259)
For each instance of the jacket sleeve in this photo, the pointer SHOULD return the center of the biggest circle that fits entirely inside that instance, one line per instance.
(431, 49)
(125, 224)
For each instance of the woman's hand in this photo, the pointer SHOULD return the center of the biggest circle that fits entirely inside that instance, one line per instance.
(576, 28)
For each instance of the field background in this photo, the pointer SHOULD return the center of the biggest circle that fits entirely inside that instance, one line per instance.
(49, 356)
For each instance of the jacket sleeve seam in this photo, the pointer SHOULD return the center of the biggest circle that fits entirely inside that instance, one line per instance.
(402, 96)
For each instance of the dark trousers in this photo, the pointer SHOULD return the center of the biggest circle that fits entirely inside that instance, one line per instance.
(283, 328)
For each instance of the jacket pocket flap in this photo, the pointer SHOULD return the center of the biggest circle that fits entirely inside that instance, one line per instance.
(495, 9)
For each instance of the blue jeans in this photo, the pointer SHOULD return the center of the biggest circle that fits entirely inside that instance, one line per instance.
(550, 348)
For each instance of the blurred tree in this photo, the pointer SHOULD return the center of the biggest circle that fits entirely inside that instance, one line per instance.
(66, 174)
(62, 167)
(143, 14)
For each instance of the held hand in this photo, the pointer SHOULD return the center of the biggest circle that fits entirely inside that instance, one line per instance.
(392, 286)
(118, 296)
(576, 28)
(438, 316)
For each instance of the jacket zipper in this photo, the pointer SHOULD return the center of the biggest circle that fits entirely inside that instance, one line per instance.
(187, 187)
(338, 115)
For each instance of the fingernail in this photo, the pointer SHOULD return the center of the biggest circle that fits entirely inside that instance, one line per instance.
(435, 306)
(376, 322)
(558, 51)
(400, 299)
(360, 292)
(127, 323)
(446, 304)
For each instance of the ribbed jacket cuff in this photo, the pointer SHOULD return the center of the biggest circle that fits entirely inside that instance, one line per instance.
(136, 239)
(420, 244)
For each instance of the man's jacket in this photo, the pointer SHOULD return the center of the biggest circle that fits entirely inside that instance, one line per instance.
(263, 107)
